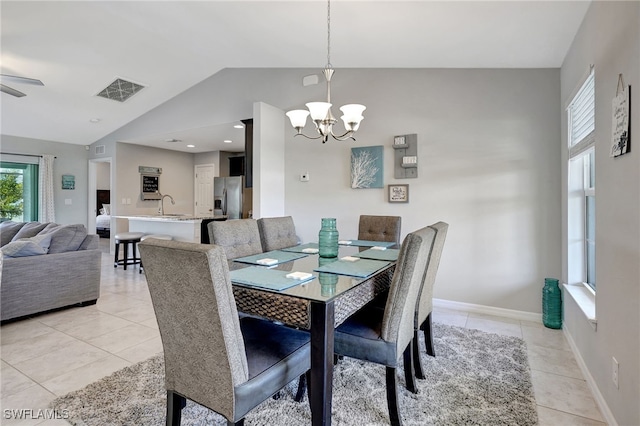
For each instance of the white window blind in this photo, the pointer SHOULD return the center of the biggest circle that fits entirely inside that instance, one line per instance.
(582, 118)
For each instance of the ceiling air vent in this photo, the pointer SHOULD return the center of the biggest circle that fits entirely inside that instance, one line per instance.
(99, 149)
(120, 90)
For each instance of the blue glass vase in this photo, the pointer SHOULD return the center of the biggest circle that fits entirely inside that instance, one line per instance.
(328, 238)
(551, 304)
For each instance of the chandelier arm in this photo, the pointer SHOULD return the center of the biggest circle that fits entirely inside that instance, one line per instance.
(347, 135)
(308, 137)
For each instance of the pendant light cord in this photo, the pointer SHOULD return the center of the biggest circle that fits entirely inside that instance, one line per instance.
(329, 34)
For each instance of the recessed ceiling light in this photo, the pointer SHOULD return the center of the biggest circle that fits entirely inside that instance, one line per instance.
(227, 141)
(94, 120)
(239, 126)
(191, 146)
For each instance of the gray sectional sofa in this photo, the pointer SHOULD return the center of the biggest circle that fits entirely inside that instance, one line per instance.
(46, 266)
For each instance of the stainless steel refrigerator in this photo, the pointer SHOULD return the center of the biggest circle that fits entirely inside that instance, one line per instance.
(227, 196)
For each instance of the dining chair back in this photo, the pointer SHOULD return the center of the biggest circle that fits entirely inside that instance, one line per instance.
(211, 356)
(238, 237)
(424, 308)
(382, 335)
(380, 228)
(277, 233)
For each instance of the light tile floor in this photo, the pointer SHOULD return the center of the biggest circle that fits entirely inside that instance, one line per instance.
(53, 354)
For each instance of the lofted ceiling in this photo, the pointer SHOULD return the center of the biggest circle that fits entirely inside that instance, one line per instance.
(77, 48)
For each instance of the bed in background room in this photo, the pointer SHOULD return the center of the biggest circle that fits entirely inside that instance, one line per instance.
(103, 220)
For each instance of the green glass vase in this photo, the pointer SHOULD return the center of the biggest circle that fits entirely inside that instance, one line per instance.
(551, 304)
(328, 281)
(328, 238)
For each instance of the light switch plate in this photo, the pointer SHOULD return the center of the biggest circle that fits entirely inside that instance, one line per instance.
(67, 201)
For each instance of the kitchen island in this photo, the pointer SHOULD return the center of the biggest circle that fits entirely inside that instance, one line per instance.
(181, 227)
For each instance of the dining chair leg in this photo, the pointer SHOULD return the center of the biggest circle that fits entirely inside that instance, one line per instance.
(308, 379)
(302, 380)
(417, 364)
(115, 258)
(428, 336)
(392, 397)
(408, 369)
(175, 404)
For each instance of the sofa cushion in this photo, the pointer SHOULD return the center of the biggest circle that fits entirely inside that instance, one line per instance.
(66, 238)
(33, 246)
(8, 230)
(30, 229)
(49, 227)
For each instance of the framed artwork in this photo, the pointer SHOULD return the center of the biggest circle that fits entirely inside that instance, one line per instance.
(366, 167)
(398, 193)
(620, 123)
(68, 182)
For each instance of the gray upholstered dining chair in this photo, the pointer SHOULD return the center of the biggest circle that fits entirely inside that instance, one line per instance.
(424, 308)
(380, 228)
(238, 237)
(212, 357)
(277, 233)
(383, 335)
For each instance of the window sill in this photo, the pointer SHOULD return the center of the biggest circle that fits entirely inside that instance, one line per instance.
(585, 299)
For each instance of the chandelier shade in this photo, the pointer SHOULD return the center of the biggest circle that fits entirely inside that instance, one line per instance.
(320, 112)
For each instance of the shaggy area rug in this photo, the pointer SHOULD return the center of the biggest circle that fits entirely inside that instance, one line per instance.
(476, 378)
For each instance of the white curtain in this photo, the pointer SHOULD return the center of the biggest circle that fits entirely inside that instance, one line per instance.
(46, 204)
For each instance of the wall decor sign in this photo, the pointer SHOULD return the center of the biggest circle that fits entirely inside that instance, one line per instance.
(68, 182)
(398, 193)
(366, 167)
(620, 109)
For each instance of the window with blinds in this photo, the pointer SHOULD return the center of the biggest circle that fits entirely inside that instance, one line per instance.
(582, 118)
(581, 202)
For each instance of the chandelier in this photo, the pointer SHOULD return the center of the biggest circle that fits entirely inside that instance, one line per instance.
(321, 111)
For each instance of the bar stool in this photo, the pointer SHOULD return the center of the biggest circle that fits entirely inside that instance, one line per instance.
(127, 238)
(157, 236)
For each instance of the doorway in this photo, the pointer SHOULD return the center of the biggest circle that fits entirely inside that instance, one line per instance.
(101, 181)
(204, 190)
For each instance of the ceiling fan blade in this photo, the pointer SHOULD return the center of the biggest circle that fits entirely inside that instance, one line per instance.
(23, 80)
(10, 91)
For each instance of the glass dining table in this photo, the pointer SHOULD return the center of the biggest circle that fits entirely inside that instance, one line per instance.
(338, 288)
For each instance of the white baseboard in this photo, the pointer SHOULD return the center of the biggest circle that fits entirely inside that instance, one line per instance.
(602, 404)
(488, 310)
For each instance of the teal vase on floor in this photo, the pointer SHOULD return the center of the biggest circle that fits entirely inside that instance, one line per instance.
(328, 238)
(551, 304)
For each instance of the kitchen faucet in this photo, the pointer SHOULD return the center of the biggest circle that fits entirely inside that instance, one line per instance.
(161, 203)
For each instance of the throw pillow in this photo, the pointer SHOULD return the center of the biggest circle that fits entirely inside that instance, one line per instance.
(66, 238)
(33, 246)
(30, 229)
(8, 230)
(107, 208)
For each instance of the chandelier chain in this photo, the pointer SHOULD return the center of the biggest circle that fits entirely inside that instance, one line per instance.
(329, 34)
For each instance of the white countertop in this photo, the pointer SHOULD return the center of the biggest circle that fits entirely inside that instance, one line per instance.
(170, 217)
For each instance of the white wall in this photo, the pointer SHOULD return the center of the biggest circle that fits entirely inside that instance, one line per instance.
(70, 160)
(212, 157)
(103, 176)
(176, 180)
(488, 164)
(609, 38)
(268, 161)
